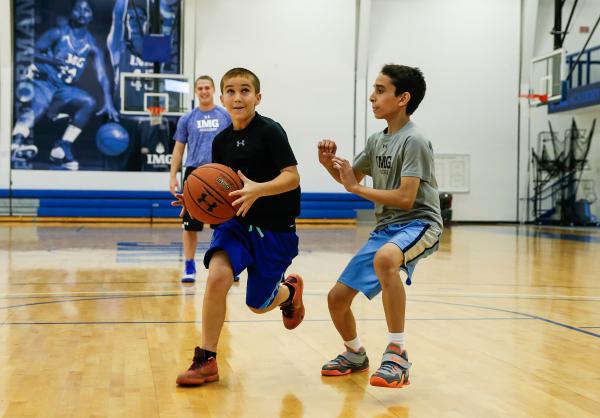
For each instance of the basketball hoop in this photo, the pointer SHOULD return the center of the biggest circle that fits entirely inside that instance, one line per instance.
(156, 113)
(542, 98)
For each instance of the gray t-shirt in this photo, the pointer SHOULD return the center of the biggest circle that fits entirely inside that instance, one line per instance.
(406, 153)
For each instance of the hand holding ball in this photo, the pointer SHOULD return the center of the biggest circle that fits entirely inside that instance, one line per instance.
(206, 193)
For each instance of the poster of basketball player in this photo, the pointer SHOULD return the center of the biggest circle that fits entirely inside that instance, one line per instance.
(68, 57)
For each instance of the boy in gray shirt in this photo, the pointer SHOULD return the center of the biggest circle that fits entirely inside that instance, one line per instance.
(409, 223)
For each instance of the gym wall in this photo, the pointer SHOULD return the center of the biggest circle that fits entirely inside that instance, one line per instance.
(304, 53)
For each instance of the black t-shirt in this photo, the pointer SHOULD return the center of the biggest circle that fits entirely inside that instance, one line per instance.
(261, 151)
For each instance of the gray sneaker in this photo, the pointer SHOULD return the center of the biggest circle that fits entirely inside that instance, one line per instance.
(346, 363)
(393, 372)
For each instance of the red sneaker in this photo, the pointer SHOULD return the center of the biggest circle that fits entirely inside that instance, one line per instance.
(200, 372)
(293, 311)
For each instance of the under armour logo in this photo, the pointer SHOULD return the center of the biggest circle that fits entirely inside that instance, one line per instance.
(240, 143)
(202, 199)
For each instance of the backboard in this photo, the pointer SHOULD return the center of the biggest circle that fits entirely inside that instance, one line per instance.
(141, 91)
(547, 74)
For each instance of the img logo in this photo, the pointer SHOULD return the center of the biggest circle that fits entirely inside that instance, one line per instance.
(384, 161)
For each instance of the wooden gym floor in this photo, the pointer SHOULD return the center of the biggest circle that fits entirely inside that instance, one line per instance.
(503, 321)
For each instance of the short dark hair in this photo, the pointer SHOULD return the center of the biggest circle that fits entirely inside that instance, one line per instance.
(204, 77)
(241, 72)
(407, 79)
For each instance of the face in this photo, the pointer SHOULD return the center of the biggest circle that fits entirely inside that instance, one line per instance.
(82, 13)
(205, 92)
(384, 102)
(240, 98)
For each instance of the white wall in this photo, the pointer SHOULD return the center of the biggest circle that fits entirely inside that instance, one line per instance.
(303, 53)
(536, 30)
(468, 51)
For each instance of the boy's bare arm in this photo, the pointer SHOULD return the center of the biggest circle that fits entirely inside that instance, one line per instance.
(288, 179)
(176, 158)
(402, 197)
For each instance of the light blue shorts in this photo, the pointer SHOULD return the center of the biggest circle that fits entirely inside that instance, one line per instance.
(416, 240)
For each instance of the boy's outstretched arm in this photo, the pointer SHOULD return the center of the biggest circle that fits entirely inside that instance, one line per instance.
(402, 197)
(326, 151)
(288, 179)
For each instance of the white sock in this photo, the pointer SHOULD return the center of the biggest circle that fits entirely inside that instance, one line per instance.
(21, 129)
(354, 345)
(71, 133)
(396, 338)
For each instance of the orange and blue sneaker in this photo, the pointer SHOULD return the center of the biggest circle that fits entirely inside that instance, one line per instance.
(200, 372)
(346, 363)
(293, 310)
(393, 372)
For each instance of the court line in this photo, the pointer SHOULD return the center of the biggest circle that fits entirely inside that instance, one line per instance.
(594, 327)
(278, 320)
(50, 302)
(550, 321)
(235, 291)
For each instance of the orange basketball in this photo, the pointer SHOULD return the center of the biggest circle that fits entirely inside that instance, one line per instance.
(206, 193)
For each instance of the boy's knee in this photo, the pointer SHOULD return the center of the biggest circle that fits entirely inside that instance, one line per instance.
(387, 259)
(337, 301)
(218, 283)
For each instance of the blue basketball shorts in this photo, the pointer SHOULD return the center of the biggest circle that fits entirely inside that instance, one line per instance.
(416, 240)
(266, 255)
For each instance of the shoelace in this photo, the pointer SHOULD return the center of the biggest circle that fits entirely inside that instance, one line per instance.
(197, 361)
(287, 309)
(391, 368)
(340, 360)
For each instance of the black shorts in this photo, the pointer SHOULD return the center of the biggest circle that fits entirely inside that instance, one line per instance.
(190, 224)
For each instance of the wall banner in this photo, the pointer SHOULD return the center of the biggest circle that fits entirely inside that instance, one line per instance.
(68, 56)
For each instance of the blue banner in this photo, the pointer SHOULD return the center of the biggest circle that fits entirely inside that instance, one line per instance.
(68, 57)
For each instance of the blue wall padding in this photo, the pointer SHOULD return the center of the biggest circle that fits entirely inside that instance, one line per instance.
(97, 194)
(126, 204)
(104, 203)
(96, 212)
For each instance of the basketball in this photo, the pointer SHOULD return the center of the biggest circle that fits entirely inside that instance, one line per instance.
(112, 139)
(206, 193)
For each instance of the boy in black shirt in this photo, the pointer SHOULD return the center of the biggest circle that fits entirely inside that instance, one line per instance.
(262, 237)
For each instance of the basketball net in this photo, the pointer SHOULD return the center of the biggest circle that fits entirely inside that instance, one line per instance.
(156, 113)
